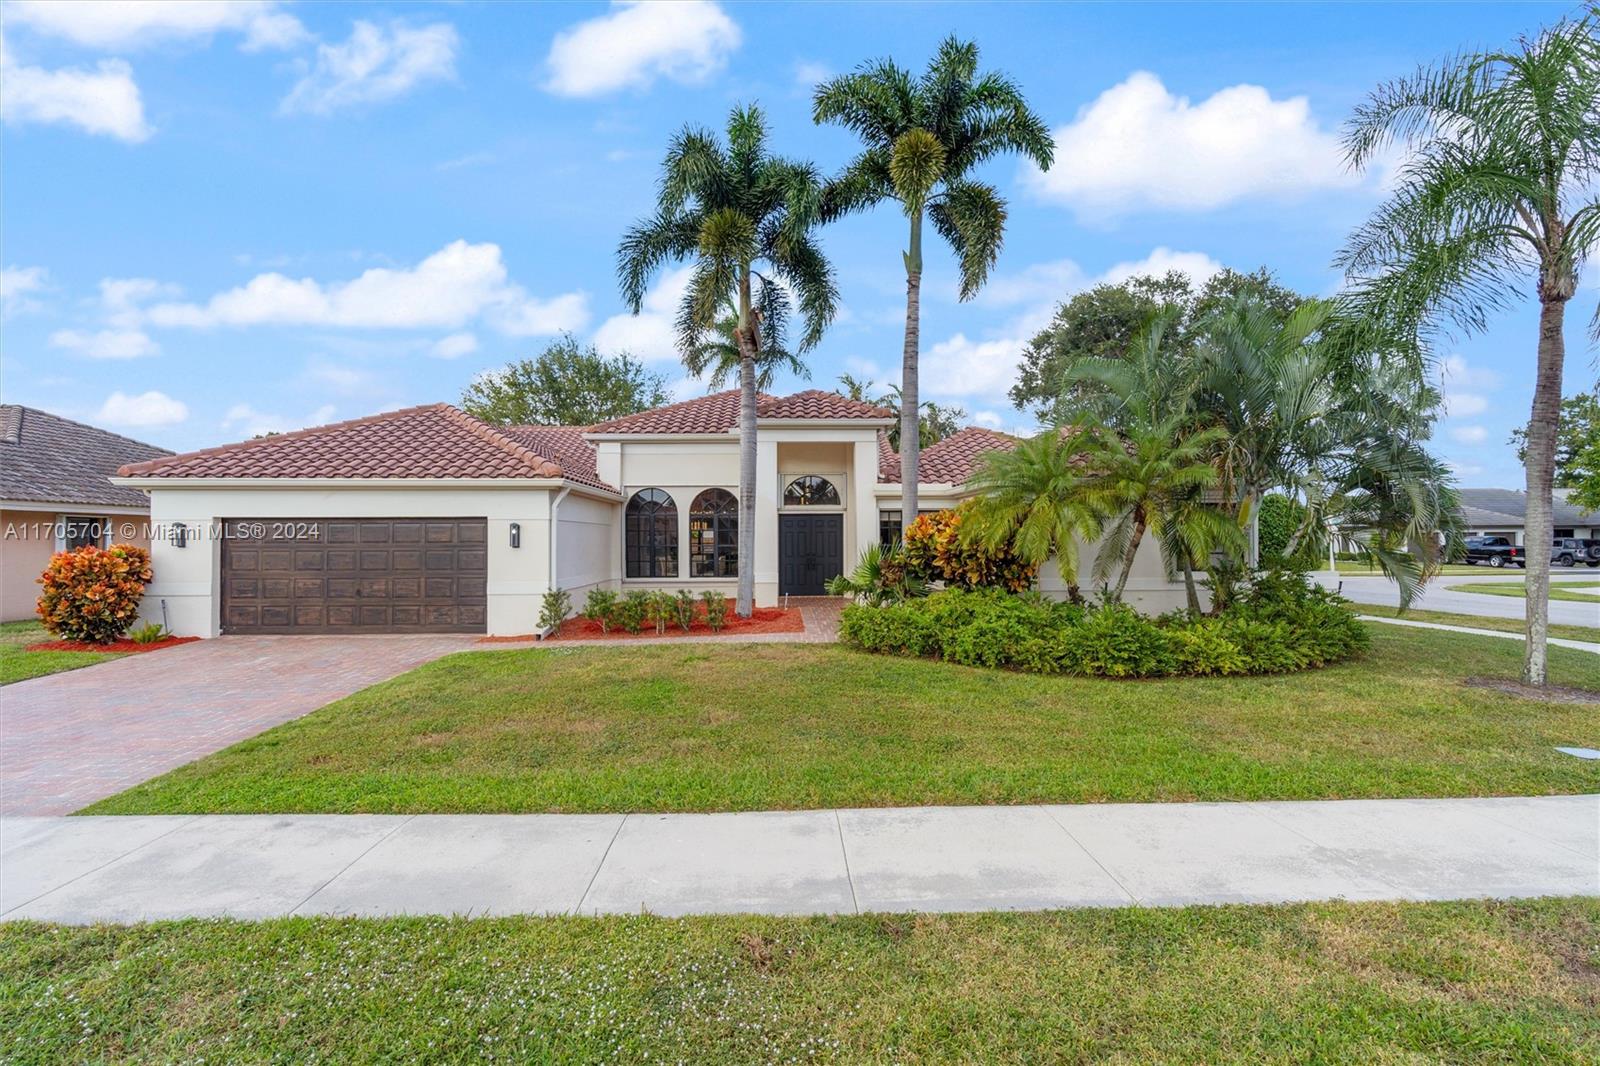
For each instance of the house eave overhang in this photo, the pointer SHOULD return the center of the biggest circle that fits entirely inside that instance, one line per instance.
(9, 504)
(677, 438)
(494, 484)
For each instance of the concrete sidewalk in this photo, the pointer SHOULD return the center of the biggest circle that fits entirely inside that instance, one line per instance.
(1576, 645)
(125, 869)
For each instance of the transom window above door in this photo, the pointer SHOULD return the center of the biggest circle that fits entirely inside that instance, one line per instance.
(811, 491)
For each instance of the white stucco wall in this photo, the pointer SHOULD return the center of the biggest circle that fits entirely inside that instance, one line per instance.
(188, 579)
(586, 530)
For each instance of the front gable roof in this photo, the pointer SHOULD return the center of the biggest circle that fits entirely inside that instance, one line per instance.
(950, 461)
(45, 458)
(433, 441)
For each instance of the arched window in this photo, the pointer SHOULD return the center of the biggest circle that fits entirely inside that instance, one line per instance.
(714, 534)
(650, 535)
(811, 491)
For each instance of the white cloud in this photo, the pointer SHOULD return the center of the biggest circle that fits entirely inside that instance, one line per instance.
(1469, 434)
(446, 290)
(962, 367)
(1462, 385)
(104, 100)
(121, 25)
(248, 422)
(1200, 267)
(635, 43)
(374, 65)
(471, 159)
(146, 409)
(121, 298)
(18, 288)
(105, 343)
(808, 74)
(1139, 146)
(455, 346)
(649, 335)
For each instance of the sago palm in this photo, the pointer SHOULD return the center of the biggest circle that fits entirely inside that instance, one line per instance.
(745, 219)
(1032, 498)
(1496, 195)
(922, 137)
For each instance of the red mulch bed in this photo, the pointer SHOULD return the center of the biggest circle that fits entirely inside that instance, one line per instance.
(123, 646)
(762, 620)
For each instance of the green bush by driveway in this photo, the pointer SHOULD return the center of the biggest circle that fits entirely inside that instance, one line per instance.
(759, 727)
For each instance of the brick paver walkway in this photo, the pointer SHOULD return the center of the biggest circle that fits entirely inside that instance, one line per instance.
(69, 739)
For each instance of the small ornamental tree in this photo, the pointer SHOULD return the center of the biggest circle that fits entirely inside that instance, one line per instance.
(936, 550)
(92, 594)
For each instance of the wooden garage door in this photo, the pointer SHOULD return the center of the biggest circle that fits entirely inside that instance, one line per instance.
(354, 575)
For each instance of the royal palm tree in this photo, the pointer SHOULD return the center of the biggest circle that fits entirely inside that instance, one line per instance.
(1496, 190)
(745, 219)
(1032, 497)
(922, 137)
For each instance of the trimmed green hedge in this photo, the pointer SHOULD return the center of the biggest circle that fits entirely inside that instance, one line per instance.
(1279, 623)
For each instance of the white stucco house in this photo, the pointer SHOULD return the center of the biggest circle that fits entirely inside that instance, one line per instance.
(429, 520)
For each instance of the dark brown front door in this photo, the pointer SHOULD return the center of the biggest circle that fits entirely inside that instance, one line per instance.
(354, 575)
(810, 551)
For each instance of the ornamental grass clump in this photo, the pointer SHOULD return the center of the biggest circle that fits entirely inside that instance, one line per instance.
(92, 594)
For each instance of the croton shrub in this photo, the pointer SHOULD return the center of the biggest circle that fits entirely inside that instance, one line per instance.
(92, 594)
(936, 550)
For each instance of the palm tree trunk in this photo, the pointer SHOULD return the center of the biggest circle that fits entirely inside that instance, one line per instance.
(744, 606)
(1127, 559)
(1191, 594)
(1540, 469)
(910, 408)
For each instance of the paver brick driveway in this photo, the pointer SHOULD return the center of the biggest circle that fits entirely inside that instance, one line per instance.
(69, 739)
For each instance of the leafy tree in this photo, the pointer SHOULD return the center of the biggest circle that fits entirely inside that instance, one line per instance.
(745, 219)
(922, 137)
(568, 384)
(1586, 478)
(1578, 432)
(1497, 189)
(1101, 323)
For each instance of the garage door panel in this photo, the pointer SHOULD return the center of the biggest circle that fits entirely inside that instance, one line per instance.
(355, 575)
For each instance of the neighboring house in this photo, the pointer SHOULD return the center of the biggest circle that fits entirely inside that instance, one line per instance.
(56, 493)
(1501, 513)
(428, 520)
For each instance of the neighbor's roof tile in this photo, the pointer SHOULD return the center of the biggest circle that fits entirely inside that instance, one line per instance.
(45, 458)
(435, 441)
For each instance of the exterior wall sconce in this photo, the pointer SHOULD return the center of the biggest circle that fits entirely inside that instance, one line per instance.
(180, 535)
(516, 534)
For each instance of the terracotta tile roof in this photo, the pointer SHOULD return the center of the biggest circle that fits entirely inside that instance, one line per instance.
(821, 405)
(566, 446)
(45, 458)
(434, 441)
(949, 462)
(716, 413)
(719, 412)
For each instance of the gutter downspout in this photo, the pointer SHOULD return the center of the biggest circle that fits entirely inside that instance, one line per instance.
(555, 527)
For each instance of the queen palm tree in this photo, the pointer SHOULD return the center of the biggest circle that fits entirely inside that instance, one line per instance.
(745, 219)
(1497, 190)
(922, 138)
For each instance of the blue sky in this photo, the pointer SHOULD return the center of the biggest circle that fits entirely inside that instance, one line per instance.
(220, 219)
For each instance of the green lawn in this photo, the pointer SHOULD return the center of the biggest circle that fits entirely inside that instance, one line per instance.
(1500, 625)
(755, 727)
(1357, 983)
(19, 665)
(1558, 591)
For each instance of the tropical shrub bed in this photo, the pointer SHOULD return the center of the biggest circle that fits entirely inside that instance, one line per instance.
(91, 595)
(1277, 623)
